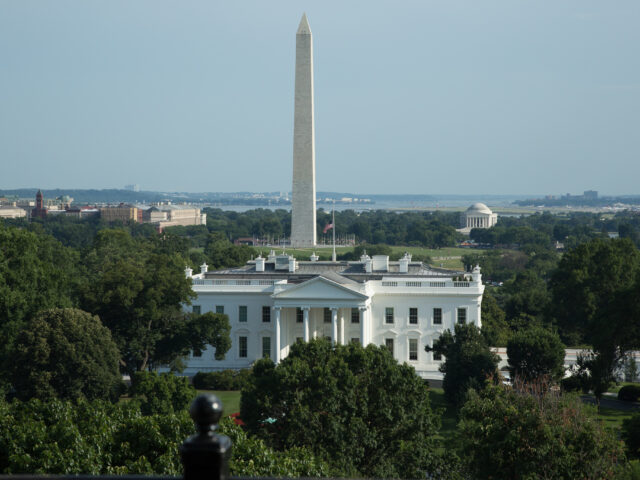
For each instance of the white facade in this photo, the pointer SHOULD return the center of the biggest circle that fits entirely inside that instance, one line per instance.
(274, 302)
(478, 215)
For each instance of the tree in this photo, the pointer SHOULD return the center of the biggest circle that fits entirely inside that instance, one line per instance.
(631, 435)
(64, 353)
(100, 438)
(506, 433)
(589, 290)
(596, 371)
(468, 361)
(355, 407)
(534, 353)
(222, 253)
(139, 291)
(494, 326)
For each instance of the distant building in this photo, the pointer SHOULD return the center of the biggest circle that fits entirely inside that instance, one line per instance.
(121, 213)
(590, 194)
(12, 212)
(478, 215)
(40, 210)
(173, 215)
(132, 187)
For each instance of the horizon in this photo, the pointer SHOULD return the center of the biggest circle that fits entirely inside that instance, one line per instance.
(422, 97)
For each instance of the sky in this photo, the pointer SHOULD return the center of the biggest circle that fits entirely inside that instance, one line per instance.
(420, 97)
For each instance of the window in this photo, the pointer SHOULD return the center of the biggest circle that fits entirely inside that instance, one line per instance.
(299, 315)
(355, 315)
(197, 354)
(437, 316)
(242, 313)
(242, 347)
(196, 309)
(355, 340)
(266, 347)
(413, 316)
(413, 349)
(266, 314)
(462, 315)
(388, 342)
(388, 315)
(219, 308)
(299, 339)
(437, 357)
(327, 315)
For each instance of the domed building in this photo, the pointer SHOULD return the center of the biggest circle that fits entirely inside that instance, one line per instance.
(478, 215)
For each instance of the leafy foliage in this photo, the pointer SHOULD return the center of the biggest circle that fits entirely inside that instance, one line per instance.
(631, 435)
(64, 353)
(355, 407)
(161, 393)
(504, 433)
(468, 361)
(138, 290)
(60, 437)
(224, 380)
(534, 353)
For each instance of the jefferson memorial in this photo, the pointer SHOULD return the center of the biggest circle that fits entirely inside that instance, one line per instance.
(478, 215)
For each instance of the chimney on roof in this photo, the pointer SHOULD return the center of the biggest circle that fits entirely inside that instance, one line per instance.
(259, 264)
(404, 263)
(188, 272)
(292, 264)
(204, 268)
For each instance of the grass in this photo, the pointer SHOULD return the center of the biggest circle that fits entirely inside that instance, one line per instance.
(612, 417)
(616, 388)
(230, 400)
(449, 419)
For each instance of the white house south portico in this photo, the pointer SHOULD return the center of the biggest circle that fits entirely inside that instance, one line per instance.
(274, 302)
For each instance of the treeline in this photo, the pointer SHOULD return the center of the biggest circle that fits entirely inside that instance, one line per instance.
(426, 229)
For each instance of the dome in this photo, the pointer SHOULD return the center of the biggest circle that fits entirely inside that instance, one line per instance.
(479, 208)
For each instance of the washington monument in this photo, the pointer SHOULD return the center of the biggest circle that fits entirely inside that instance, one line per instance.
(303, 201)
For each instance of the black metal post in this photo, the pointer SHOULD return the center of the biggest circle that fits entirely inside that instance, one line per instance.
(205, 455)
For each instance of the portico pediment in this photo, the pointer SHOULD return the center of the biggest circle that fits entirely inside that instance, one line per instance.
(320, 288)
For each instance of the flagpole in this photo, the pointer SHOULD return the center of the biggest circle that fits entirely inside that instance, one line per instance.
(333, 220)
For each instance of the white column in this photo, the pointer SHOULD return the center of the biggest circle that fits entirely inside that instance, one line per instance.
(334, 325)
(342, 328)
(305, 322)
(363, 328)
(277, 310)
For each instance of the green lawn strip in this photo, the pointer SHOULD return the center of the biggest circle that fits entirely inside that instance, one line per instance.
(449, 419)
(230, 400)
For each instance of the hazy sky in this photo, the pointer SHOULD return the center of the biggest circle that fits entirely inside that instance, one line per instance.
(424, 97)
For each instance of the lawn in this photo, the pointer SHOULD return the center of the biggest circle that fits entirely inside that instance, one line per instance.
(449, 419)
(230, 400)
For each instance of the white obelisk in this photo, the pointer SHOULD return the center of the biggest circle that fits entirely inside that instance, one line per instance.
(303, 199)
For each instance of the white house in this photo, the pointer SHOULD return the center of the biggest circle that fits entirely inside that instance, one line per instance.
(274, 302)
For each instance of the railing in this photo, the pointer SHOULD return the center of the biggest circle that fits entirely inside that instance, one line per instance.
(410, 283)
(201, 282)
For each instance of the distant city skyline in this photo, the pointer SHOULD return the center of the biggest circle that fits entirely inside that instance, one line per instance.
(496, 97)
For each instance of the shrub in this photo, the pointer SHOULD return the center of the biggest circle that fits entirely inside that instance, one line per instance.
(571, 384)
(631, 435)
(629, 393)
(161, 394)
(223, 380)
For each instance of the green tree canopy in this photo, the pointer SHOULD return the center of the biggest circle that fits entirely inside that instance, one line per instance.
(588, 290)
(535, 352)
(468, 361)
(64, 353)
(355, 407)
(505, 433)
(139, 290)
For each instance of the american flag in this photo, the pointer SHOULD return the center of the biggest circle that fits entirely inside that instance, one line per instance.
(328, 227)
